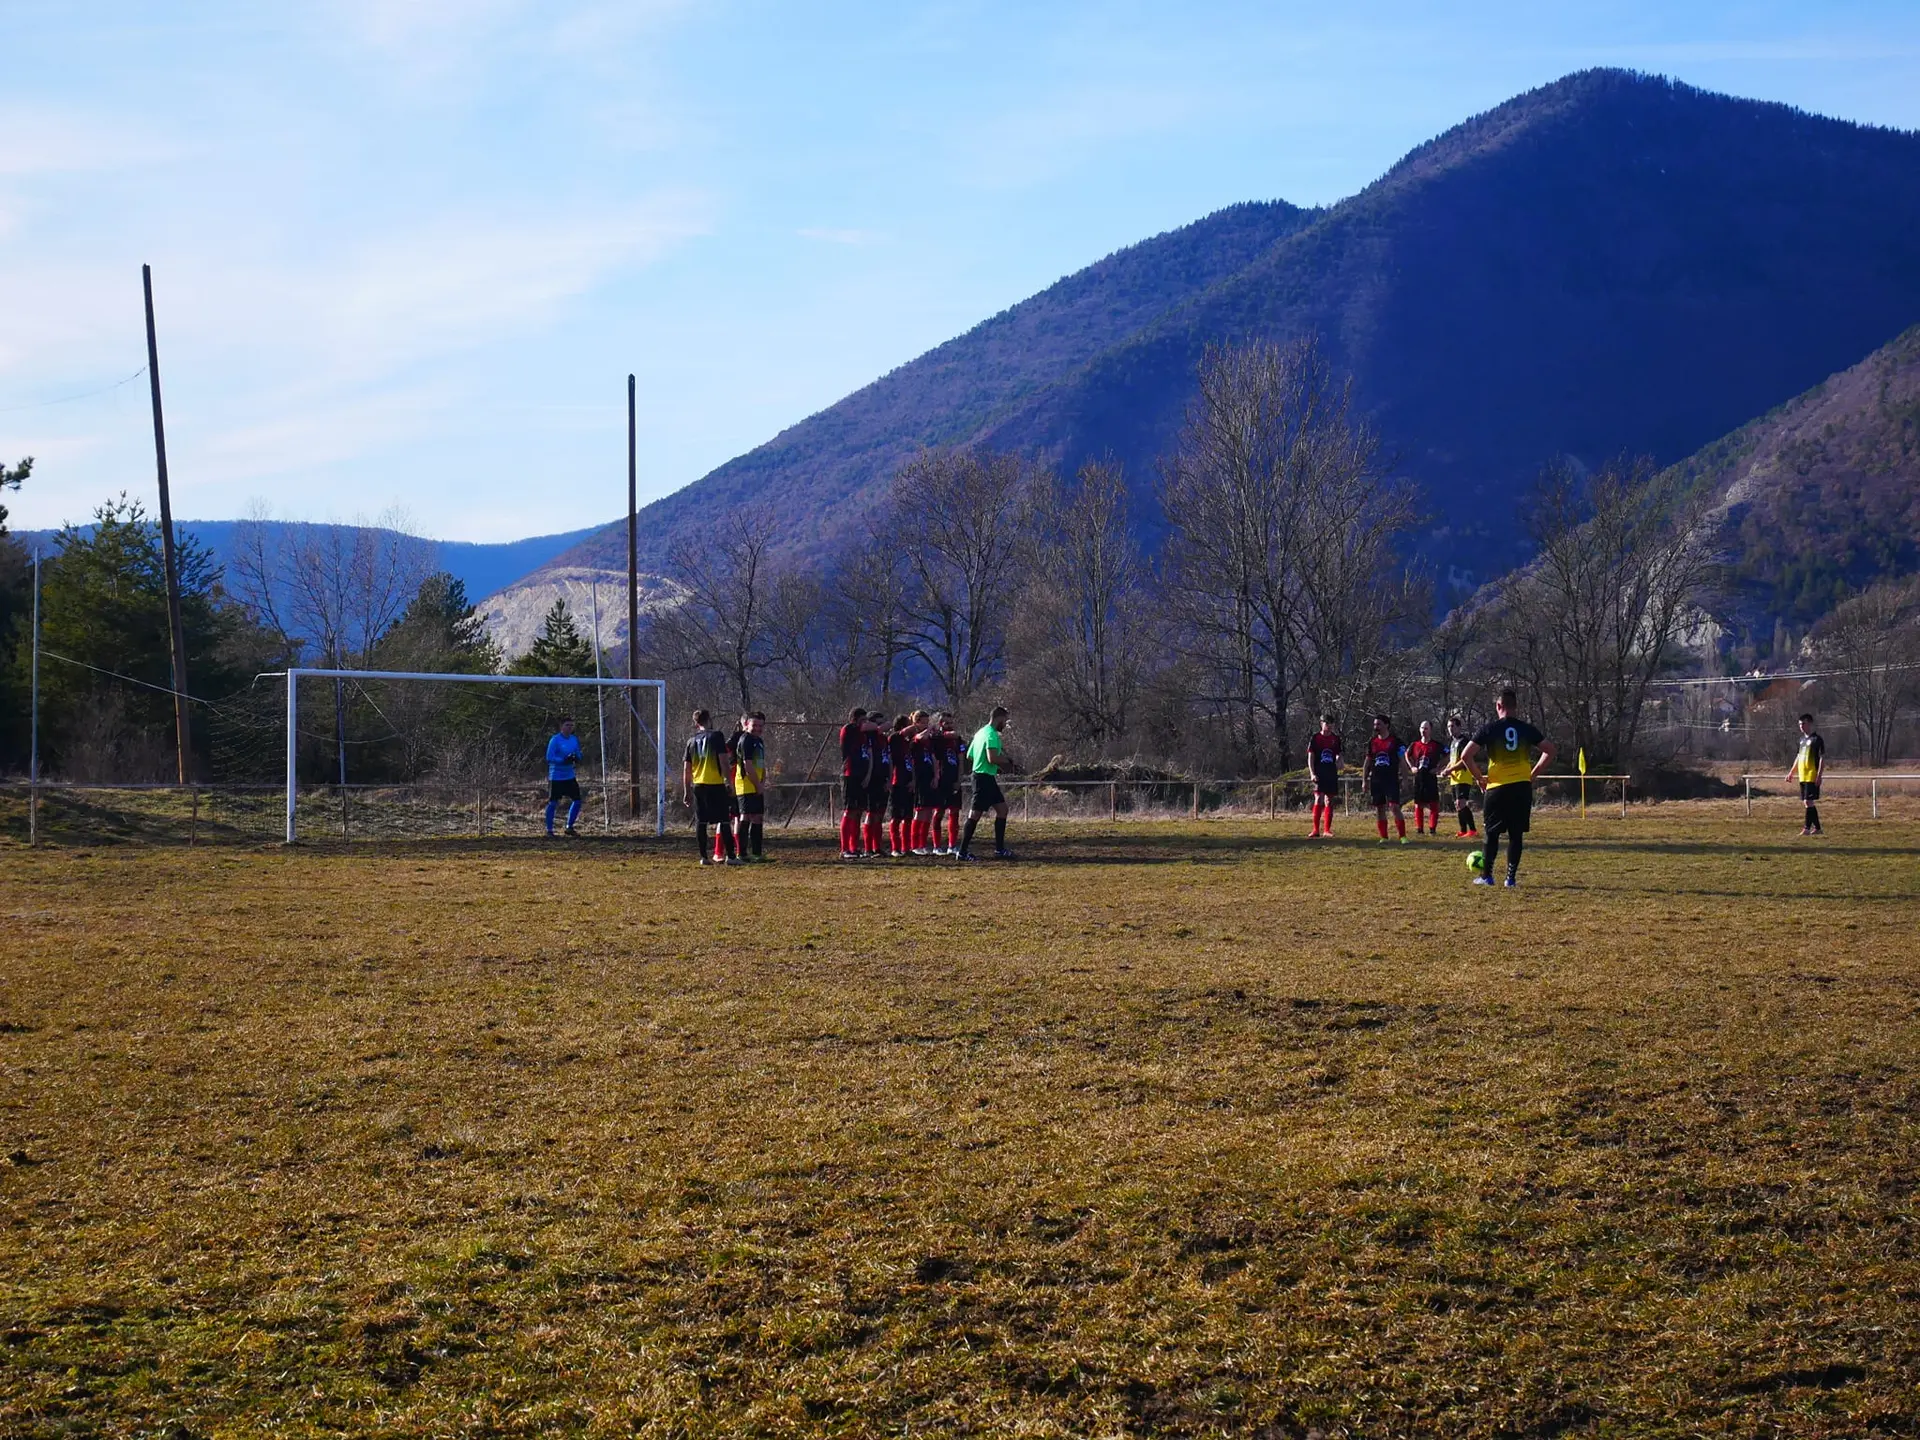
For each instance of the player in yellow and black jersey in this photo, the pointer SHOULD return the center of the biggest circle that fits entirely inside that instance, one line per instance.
(703, 785)
(750, 786)
(1513, 752)
(1809, 764)
(1459, 776)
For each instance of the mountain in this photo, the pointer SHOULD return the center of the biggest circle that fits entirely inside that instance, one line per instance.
(1820, 497)
(482, 568)
(1614, 262)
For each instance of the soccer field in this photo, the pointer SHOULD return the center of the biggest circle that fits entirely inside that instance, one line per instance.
(1164, 1129)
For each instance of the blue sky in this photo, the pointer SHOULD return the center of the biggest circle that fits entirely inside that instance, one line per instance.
(406, 251)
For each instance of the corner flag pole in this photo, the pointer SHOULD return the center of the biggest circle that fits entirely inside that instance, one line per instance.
(600, 700)
(1583, 782)
(33, 752)
(633, 608)
(176, 635)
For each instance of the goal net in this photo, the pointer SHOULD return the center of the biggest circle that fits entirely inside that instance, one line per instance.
(401, 754)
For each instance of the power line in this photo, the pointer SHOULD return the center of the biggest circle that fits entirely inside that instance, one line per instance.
(69, 399)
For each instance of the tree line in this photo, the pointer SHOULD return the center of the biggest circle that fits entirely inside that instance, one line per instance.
(1279, 588)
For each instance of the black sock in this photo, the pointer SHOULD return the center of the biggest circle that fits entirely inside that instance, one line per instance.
(1813, 817)
(700, 838)
(1466, 817)
(1492, 852)
(999, 832)
(726, 838)
(756, 832)
(1513, 854)
(966, 835)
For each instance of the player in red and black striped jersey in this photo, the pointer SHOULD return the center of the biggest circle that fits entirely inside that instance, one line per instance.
(920, 764)
(900, 784)
(1385, 755)
(1423, 759)
(950, 751)
(876, 802)
(1323, 758)
(856, 770)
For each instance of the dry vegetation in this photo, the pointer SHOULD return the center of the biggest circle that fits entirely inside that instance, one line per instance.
(1168, 1129)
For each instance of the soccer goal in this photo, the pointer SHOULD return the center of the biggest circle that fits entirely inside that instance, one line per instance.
(484, 719)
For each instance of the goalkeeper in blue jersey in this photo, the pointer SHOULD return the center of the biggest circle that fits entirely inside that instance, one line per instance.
(563, 754)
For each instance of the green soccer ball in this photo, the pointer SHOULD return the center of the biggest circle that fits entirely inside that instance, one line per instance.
(1477, 861)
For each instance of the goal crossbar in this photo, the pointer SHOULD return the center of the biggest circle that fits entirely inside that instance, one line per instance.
(298, 673)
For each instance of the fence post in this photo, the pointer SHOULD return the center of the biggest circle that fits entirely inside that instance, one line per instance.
(1873, 789)
(1113, 800)
(193, 824)
(33, 813)
(1026, 801)
(1623, 797)
(1273, 799)
(1196, 799)
(1747, 780)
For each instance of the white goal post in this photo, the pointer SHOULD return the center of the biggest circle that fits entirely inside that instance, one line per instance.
(296, 675)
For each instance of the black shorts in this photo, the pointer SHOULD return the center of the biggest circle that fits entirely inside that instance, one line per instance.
(1385, 789)
(1426, 788)
(1510, 808)
(563, 790)
(1326, 782)
(712, 805)
(902, 802)
(926, 794)
(751, 803)
(986, 793)
(877, 797)
(1462, 795)
(1809, 792)
(947, 797)
(856, 794)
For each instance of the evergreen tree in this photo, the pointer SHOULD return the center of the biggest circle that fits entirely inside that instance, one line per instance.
(560, 648)
(440, 630)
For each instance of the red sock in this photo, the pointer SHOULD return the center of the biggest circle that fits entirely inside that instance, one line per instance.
(1381, 821)
(1401, 821)
(873, 834)
(1316, 814)
(953, 829)
(846, 832)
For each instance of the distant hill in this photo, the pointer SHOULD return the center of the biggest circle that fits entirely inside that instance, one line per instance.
(1821, 497)
(1610, 263)
(482, 568)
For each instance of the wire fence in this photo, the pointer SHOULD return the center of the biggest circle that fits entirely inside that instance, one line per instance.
(1887, 794)
(65, 812)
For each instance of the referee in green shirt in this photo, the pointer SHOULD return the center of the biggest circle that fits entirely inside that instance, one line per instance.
(986, 752)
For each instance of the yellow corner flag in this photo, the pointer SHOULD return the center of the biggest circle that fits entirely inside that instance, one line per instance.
(1583, 782)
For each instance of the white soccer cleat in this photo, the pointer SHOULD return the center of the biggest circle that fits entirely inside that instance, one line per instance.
(1483, 880)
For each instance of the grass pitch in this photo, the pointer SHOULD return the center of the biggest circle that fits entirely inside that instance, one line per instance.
(1165, 1129)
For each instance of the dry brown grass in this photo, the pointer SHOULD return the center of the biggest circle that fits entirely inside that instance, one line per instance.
(1165, 1129)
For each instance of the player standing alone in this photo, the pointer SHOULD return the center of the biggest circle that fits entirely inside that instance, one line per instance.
(1423, 759)
(563, 753)
(1385, 754)
(1509, 746)
(1808, 766)
(856, 768)
(1324, 756)
(750, 785)
(703, 772)
(987, 753)
(1460, 776)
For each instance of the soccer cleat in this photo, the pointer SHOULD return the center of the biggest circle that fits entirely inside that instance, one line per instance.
(1483, 880)
(1513, 882)
(963, 855)
(1003, 854)
(572, 834)
(705, 861)
(1403, 840)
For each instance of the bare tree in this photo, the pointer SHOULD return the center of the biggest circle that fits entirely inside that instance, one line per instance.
(1621, 577)
(734, 623)
(332, 589)
(959, 529)
(1081, 617)
(866, 619)
(1279, 552)
(1873, 641)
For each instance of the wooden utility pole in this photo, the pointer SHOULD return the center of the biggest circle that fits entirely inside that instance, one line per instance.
(633, 609)
(176, 633)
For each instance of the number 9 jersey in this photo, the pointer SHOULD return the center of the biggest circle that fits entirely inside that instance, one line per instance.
(1510, 746)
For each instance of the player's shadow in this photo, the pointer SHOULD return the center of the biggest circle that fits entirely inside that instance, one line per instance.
(1716, 847)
